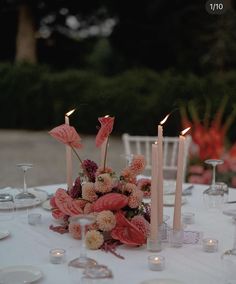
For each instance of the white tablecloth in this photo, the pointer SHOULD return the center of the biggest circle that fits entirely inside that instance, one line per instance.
(30, 245)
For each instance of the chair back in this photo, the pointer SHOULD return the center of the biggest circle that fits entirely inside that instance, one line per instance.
(143, 145)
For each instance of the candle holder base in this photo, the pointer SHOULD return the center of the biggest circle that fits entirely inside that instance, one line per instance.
(154, 245)
(163, 229)
(176, 238)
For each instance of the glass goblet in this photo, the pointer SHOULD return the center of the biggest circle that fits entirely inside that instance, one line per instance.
(25, 194)
(213, 195)
(82, 261)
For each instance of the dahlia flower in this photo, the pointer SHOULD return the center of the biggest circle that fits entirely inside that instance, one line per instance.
(106, 220)
(88, 192)
(94, 239)
(103, 183)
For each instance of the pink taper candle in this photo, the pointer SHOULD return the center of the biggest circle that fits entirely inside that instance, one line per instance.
(179, 182)
(160, 171)
(68, 155)
(103, 152)
(160, 175)
(154, 208)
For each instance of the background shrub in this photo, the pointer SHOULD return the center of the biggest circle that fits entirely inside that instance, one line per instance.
(35, 97)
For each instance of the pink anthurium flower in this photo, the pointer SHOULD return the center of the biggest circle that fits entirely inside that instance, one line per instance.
(67, 135)
(105, 130)
(126, 232)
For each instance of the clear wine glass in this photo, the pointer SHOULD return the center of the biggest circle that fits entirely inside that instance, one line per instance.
(82, 261)
(213, 195)
(229, 262)
(25, 194)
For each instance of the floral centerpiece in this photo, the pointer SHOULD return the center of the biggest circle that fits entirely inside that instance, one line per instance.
(116, 201)
(209, 142)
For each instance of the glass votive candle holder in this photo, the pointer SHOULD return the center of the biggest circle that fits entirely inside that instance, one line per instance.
(176, 237)
(156, 262)
(188, 218)
(154, 245)
(210, 245)
(34, 218)
(57, 255)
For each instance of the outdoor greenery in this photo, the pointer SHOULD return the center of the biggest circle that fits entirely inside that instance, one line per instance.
(135, 60)
(35, 97)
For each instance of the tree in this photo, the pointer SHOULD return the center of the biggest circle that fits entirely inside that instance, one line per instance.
(26, 35)
(40, 18)
(182, 35)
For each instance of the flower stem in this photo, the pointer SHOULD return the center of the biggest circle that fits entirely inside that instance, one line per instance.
(105, 155)
(77, 155)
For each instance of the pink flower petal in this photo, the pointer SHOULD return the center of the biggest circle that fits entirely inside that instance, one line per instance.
(66, 204)
(67, 135)
(110, 201)
(105, 130)
(126, 232)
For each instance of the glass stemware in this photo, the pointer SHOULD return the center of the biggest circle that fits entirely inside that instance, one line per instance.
(82, 261)
(97, 274)
(25, 194)
(213, 196)
(229, 262)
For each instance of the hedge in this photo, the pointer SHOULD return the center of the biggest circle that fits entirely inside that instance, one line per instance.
(35, 97)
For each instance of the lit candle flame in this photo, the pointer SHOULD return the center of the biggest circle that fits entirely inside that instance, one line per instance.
(156, 142)
(106, 116)
(70, 112)
(164, 120)
(185, 131)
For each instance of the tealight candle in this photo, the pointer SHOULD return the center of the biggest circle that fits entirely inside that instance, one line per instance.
(57, 255)
(156, 262)
(210, 245)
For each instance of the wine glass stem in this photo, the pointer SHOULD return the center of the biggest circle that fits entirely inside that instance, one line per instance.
(214, 175)
(83, 245)
(234, 244)
(25, 185)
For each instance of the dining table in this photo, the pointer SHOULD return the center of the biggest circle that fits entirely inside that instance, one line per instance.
(29, 246)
